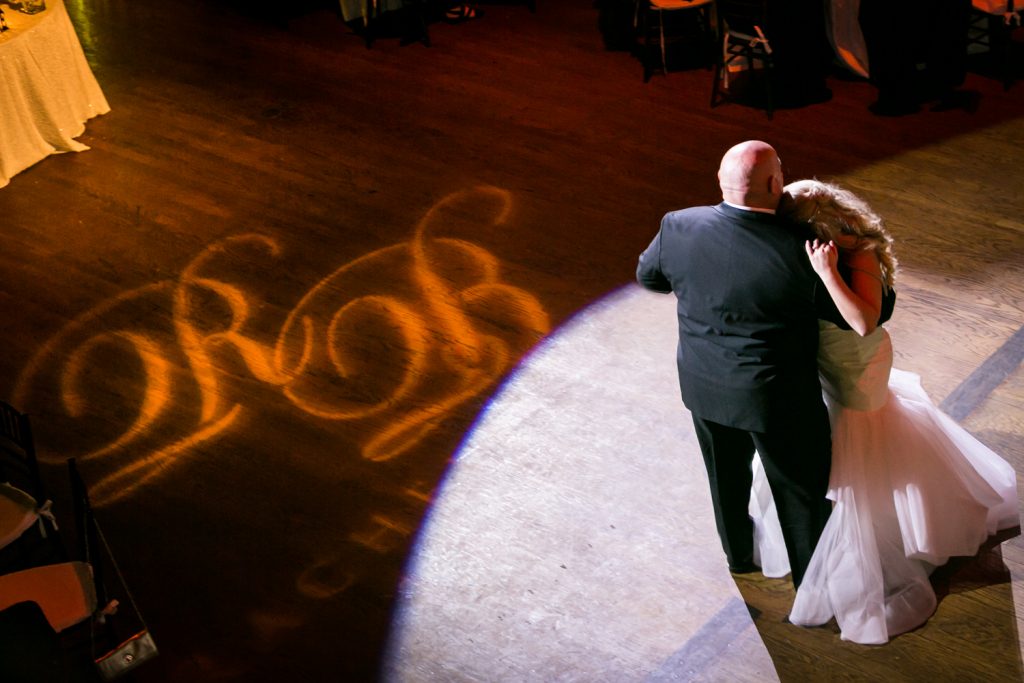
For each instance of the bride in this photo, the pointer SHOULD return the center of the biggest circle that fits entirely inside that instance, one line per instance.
(910, 488)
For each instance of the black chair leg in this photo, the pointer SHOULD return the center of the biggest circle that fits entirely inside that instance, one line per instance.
(661, 41)
(421, 14)
(645, 58)
(715, 84)
(1006, 48)
(369, 32)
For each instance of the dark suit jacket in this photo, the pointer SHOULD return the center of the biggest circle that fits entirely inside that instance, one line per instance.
(748, 321)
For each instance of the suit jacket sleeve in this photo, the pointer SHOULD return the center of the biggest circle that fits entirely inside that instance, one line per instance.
(649, 272)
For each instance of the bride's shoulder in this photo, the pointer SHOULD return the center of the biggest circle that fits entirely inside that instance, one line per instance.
(847, 242)
(859, 260)
(856, 251)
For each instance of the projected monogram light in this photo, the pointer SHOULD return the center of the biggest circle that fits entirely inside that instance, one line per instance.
(368, 343)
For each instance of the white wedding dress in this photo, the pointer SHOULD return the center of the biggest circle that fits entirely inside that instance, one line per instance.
(910, 489)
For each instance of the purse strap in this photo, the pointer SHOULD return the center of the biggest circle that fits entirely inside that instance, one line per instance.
(89, 523)
(120, 577)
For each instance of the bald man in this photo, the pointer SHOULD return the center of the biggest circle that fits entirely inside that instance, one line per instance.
(748, 339)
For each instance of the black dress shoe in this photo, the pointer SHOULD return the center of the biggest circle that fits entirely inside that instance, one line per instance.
(744, 568)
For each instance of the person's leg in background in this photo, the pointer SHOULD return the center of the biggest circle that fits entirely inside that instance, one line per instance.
(803, 55)
(890, 30)
(946, 54)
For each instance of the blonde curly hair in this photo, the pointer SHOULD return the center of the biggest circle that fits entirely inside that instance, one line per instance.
(831, 211)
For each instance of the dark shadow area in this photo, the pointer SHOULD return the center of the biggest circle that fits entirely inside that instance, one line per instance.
(975, 600)
(279, 14)
(998, 50)
(616, 21)
(964, 574)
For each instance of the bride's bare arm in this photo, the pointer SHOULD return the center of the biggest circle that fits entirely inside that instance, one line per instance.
(860, 300)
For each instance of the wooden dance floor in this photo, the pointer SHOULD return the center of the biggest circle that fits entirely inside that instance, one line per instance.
(346, 345)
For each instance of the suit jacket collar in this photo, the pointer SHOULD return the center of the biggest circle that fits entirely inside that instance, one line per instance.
(733, 212)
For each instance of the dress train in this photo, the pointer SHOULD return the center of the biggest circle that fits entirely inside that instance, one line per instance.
(910, 489)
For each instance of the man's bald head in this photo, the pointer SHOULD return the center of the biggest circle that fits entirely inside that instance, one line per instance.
(751, 175)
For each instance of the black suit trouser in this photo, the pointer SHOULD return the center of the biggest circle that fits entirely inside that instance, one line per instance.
(797, 461)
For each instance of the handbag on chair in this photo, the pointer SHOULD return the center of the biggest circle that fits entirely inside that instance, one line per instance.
(128, 655)
(135, 650)
(138, 648)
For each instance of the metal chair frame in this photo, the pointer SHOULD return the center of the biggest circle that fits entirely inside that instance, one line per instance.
(745, 35)
(993, 31)
(19, 452)
(642, 11)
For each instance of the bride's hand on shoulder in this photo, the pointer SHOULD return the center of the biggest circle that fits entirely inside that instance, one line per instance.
(824, 256)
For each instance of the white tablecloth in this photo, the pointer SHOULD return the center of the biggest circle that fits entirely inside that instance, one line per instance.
(844, 33)
(47, 91)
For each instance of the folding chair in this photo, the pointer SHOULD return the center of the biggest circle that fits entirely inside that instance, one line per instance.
(23, 500)
(18, 464)
(743, 26)
(677, 21)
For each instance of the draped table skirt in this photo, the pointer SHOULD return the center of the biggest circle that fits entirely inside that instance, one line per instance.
(47, 90)
(847, 38)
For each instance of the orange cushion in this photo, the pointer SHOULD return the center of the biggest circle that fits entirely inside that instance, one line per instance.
(65, 591)
(678, 4)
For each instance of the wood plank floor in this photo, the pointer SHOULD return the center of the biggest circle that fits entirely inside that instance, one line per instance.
(268, 305)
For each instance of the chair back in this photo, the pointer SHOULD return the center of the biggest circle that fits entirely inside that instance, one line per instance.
(742, 16)
(18, 512)
(18, 464)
